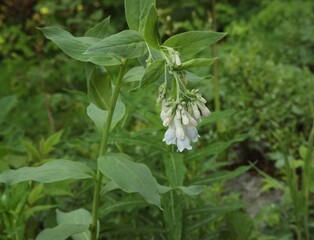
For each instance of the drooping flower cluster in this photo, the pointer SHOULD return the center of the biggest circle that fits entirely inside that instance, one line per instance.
(181, 117)
(183, 110)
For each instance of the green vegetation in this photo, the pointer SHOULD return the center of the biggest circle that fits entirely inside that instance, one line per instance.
(72, 159)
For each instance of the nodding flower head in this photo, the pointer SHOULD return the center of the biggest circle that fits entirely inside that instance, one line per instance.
(181, 118)
(183, 110)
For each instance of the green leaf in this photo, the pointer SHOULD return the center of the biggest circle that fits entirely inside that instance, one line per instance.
(134, 74)
(136, 12)
(175, 169)
(6, 104)
(197, 224)
(29, 212)
(303, 152)
(153, 73)
(216, 116)
(194, 78)
(32, 151)
(36, 193)
(218, 209)
(126, 44)
(99, 116)
(46, 146)
(130, 176)
(100, 30)
(77, 217)
(192, 190)
(197, 62)
(214, 148)
(76, 46)
(172, 203)
(192, 42)
(222, 175)
(111, 185)
(70, 45)
(151, 33)
(61, 232)
(239, 226)
(127, 204)
(56, 170)
(99, 87)
(137, 139)
(163, 189)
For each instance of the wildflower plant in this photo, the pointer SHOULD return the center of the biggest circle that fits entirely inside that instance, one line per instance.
(181, 108)
(107, 65)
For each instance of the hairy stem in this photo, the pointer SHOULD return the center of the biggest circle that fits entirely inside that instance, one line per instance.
(103, 150)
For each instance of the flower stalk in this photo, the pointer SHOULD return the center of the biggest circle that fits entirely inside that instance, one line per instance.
(103, 149)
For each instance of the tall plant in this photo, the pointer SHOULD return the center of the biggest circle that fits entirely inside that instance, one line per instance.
(107, 68)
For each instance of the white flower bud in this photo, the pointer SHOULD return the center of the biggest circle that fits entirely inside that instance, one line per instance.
(193, 121)
(185, 119)
(205, 111)
(178, 114)
(179, 130)
(167, 121)
(163, 115)
(169, 112)
(196, 112)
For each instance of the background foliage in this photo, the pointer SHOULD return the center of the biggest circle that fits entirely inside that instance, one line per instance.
(266, 75)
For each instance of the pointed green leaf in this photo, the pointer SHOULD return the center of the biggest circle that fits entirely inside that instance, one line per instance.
(222, 175)
(131, 177)
(136, 12)
(77, 217)
(76, 46)
(194, 78)
(214, 148)
(127, 204)
(151, 33)
(46, 146)
(99, 87)
(175, 169)
(61, 232)
(218, 209)
(216, 116)
(197, 62)
(192, 190)
(153, 73)
(163, 189)
(70, 45)
(56, 170)
(126, 44)
(134, 74)
(172, 203)
(192, 42)
(38, 208)
(99, 116)
(100, 30)
(32, 151)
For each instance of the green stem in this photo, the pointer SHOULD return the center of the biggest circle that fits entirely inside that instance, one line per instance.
(103, 150)
(215, 68)
(306, 183)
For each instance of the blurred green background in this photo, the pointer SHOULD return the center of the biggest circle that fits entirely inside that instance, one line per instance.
(265, 70)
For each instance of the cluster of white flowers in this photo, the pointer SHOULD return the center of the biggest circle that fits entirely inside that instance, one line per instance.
(181, 118)
(182, 114)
